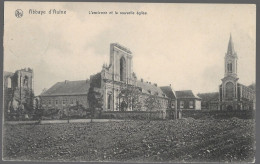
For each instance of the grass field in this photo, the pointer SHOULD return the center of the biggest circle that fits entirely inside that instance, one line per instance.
(134, 141)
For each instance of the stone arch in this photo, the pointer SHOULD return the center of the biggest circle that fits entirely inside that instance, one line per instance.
(109, 101)
(229, 90)
(122, 69)
(25, 81)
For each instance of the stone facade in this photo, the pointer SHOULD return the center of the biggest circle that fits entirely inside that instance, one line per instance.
(112, 79)
(18, 91)
(119, 74)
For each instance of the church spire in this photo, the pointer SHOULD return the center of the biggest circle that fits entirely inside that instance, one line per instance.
(230, 49)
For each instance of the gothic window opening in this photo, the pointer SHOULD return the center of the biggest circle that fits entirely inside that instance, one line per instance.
(9, 82)
(229, 90)
(122, 69)
(109, 101)
(229, 67)
(25, 82)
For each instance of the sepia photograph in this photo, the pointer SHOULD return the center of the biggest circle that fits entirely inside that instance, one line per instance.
(129, 82)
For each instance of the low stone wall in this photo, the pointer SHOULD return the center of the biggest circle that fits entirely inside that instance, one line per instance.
(138, 115)
(217, 114)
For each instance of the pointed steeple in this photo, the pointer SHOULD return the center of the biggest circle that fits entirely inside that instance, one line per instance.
(230, 50)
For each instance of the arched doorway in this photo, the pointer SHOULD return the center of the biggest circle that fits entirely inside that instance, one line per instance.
(229, 107)
(123, 106)
(122, 69)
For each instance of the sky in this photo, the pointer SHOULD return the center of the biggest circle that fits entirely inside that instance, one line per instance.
(179, 44)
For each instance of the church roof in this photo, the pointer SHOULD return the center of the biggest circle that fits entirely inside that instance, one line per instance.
(148, 87)
(230, 49)
(67, 88)
(211, 96)
(186, 94)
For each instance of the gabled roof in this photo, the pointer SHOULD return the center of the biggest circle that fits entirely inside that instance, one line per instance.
(68, 88)
(146, 87)
(186, 94)
(168, 92)
(212, 96)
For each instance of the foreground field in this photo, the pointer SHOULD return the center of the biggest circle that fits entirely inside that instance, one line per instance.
(133, 141)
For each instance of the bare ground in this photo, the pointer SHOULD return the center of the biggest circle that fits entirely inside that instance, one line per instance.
(210, 140)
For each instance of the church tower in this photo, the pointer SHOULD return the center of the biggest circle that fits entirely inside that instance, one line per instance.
(121, 62)
(231, 60)
(228, 88)
(118, 75)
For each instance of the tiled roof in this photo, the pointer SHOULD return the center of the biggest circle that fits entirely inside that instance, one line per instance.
(68, 88)
(146, 87)
(168, 92)
(213, 96)
(186, 94)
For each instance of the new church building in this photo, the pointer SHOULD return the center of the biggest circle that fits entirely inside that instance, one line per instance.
(232, 95)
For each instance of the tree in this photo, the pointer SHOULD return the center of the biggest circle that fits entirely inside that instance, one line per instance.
(130, 97)
(152, 104)
(95, 100)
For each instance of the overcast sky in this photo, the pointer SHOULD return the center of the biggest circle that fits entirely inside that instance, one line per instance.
(179, 44)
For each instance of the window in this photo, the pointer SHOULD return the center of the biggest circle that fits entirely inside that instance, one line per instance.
(25, 81)
(191, 104)
(173, 104)
(229, 90)
(63, 102)
(122, 69)
(229, 67)
(109, 101)
(181, 104)
(56, 102)
(9, 82)
(71, 101)
(149, 92)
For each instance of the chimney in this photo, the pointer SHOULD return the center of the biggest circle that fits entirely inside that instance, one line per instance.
(170, 85)
(142, 80)
(66, 81)
(149, 82)
(155, 84)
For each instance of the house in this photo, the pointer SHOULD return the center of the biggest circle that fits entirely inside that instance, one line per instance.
(186, 100)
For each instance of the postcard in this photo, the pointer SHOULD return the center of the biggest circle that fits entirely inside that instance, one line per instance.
(129, 82)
